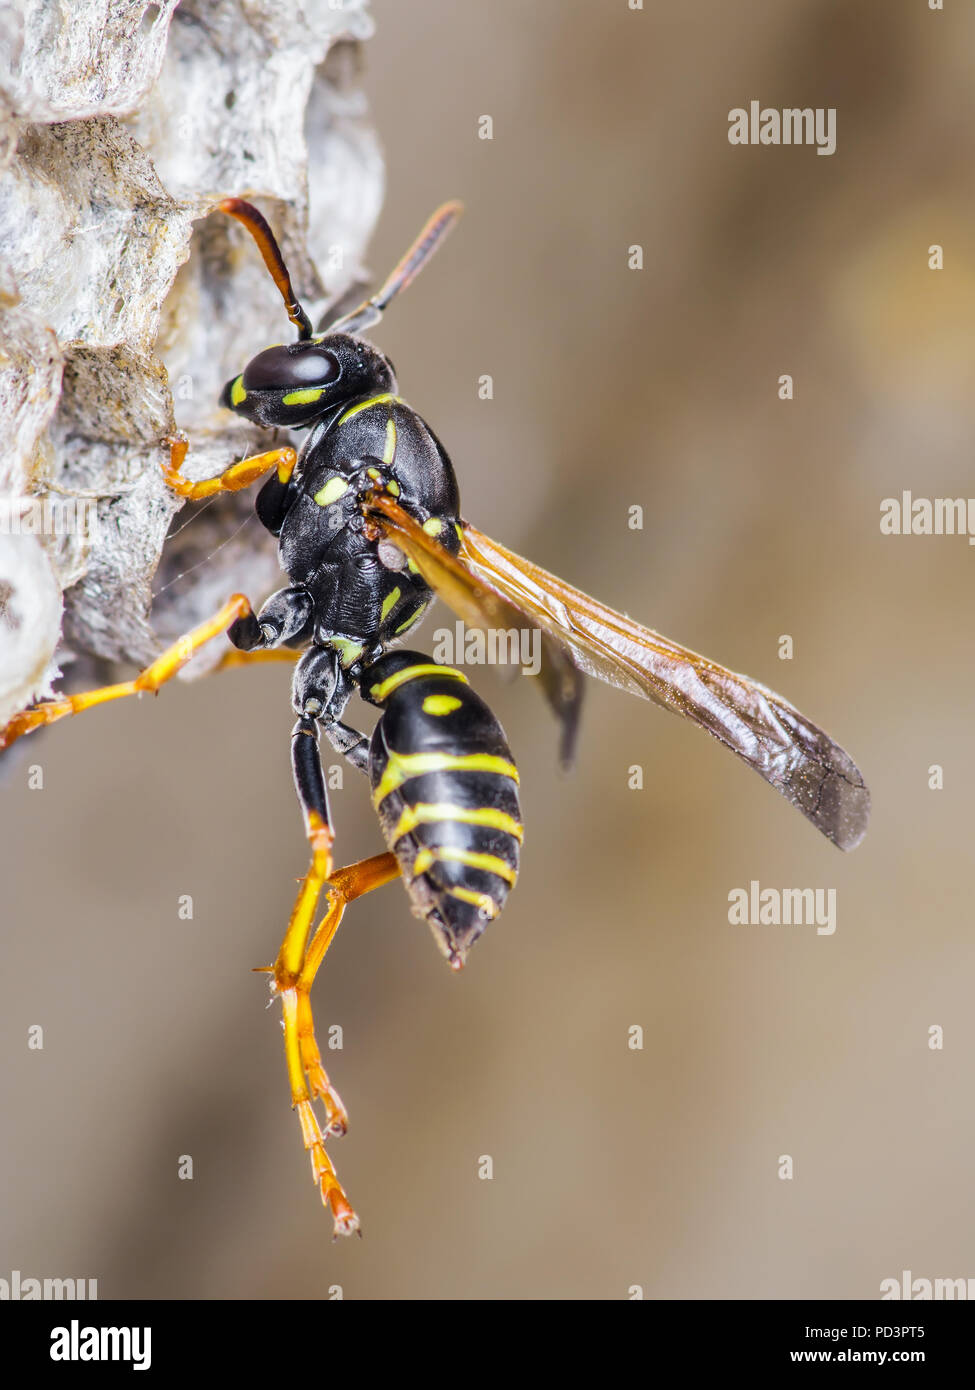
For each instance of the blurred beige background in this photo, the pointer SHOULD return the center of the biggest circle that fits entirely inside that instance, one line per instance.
(613, 387)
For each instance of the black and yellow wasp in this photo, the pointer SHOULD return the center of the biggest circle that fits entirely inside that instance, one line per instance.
(369, 526)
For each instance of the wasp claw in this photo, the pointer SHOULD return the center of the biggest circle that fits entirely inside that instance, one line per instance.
(347, 1224)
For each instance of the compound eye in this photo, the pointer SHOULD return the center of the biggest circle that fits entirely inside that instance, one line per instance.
(287, 368)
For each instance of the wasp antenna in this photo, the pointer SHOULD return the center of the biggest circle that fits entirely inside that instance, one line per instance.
(257, 225)
(430, 239)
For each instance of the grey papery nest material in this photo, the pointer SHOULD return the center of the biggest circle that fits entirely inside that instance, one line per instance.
(124, 308)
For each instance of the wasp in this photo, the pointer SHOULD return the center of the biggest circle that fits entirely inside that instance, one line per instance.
(368, 520)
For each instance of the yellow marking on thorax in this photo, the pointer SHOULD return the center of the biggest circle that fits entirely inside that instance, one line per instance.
(411, 673)
(389, 452)
(237, 392)
(440, 704)
(392, 487)
(349, 652)
(389, 603)
(402, 766)
(489, 863)
(331, 492)
(387, 398)
(433, 812)
(413, 618)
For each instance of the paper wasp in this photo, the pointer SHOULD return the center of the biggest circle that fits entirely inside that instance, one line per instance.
(368, 519)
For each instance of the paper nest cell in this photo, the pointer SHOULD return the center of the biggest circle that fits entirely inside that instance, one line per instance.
(124, 307)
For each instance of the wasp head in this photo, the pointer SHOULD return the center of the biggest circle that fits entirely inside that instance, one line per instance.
(293, 384)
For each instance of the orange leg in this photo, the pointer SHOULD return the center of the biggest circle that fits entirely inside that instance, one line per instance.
(161, 670)
(238, 476)
(261, 654)
(294, 973)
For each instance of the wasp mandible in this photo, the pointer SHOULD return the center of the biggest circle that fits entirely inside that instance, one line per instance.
(367, 516)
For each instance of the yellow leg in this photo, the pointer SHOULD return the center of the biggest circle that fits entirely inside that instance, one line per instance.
(161, 670)
(294, 973)
(235, 478)
(256, 658)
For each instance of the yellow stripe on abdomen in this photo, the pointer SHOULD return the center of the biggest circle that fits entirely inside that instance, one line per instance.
(482, 901)
(402, 766)
(433, 813)
(474, 859)
(411, 673)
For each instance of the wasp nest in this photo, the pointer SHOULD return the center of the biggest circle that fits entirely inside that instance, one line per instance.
(124, 307)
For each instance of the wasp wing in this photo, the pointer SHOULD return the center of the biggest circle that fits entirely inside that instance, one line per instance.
(795, 756)
(484, 605)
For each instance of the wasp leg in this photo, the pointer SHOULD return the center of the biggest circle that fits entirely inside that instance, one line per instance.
(283, 618)
(301, 1048)
(321, 689)
(299, 1041)
(238, 658)
(298, 962)
(353, 745)
(233, 479)
(344, 886)
(161, 670)
(310, 786)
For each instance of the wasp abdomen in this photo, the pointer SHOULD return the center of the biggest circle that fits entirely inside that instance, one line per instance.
(445, 787)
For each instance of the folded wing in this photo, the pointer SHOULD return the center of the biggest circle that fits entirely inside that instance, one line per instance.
(488, 585)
